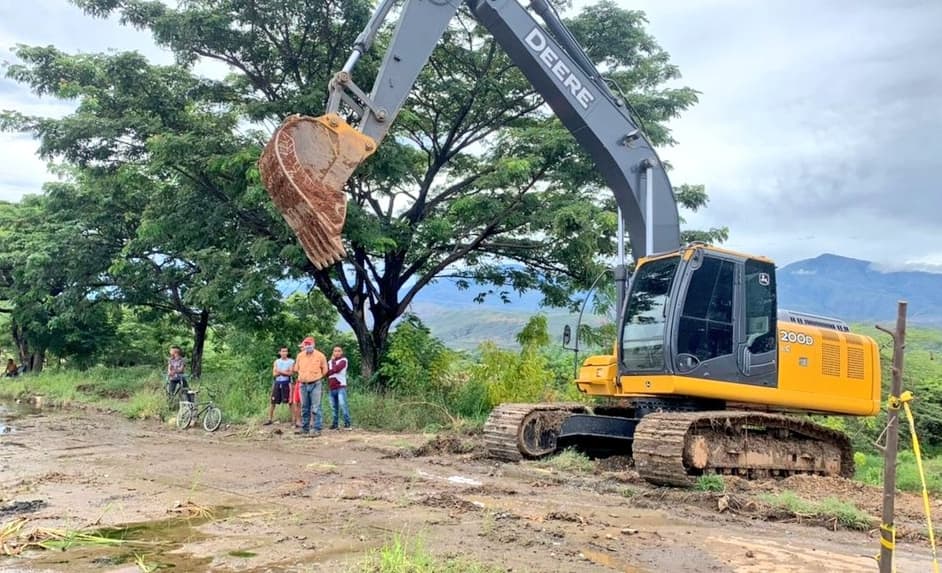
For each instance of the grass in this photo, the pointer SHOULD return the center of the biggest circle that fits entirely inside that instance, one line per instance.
(403, 555)
(392, 412)
(133, 392)
(569, 460)
(14, 540)
(143, 566)
(711, 482)
(138, 393)
(870, 471)
(831, 510)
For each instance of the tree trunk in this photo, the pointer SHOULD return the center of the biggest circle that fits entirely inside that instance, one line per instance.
(351, 303)
(31, 359)
(199, 341)
(372, 344)
(36, 360)
(369, 358)
(19, 339)
(379, 338)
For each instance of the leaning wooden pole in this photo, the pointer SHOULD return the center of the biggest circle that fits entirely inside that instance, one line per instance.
(888, 528)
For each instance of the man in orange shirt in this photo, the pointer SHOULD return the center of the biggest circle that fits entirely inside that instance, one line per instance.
(310, 366)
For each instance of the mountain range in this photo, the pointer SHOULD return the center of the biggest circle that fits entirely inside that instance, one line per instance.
(853, 290)
(859, 291)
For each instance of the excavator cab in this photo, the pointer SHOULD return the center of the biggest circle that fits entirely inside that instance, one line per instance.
(702, 313)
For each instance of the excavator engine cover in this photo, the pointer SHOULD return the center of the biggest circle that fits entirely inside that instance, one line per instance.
(304, 168)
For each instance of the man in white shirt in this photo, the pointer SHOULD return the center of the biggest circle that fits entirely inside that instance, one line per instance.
(281, 386)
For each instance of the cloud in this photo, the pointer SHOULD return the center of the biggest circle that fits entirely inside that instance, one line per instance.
(22, 173)
(897, 267)
(58, 23)
(816, 124)
(816, 131)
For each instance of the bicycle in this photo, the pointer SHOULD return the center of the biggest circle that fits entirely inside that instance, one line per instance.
(191, 410)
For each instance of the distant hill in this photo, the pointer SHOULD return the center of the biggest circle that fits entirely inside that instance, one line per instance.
(853, 290)
(859, 291)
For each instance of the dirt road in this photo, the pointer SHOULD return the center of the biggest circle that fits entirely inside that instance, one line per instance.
(262, 500)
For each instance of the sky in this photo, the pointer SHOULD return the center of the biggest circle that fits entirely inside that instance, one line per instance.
(817, 130)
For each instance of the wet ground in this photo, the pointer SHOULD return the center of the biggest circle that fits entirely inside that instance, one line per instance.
(248, 499)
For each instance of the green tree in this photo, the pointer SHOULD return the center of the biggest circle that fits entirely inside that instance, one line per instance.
(429, 204)
(48, 267)
(415, 362)
(142, 141)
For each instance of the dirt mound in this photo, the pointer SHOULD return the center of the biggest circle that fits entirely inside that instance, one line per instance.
(614, 464)
(566, 516)
(868, 498)
(817, 487)
(449, 501)
(16, 507)
(445, 444)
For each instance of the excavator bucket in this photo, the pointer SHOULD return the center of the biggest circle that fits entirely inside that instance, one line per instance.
(304, 167)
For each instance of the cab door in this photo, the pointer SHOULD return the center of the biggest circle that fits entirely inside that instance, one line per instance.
(703, 327)
(724, 325)
(757, 350)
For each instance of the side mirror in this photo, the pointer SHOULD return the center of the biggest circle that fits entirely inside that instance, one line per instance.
(567, 335)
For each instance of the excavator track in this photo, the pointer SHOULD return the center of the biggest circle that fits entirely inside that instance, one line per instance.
(673, 448)
(517, 431)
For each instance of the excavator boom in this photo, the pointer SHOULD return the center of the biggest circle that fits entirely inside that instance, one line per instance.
(308, 160)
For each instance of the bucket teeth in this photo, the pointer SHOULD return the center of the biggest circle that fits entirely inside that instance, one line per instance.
(304, 168)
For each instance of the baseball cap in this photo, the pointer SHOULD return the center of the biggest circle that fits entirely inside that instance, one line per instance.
(308, 341)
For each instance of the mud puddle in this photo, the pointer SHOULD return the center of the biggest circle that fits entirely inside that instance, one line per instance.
(142, 546)
(10, 412)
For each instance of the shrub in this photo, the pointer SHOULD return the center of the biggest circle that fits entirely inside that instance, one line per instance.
(869, 470)
(829, 510)
(569, 460)
(401, 555)
(711, 482)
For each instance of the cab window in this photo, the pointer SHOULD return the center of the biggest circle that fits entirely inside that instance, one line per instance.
(760, 306)
(646, 315)
(706, 323)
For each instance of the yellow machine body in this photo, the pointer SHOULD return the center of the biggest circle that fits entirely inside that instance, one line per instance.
(819, 369)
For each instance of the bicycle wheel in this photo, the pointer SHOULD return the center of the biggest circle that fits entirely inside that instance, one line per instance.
(212, 419)
(184, 416)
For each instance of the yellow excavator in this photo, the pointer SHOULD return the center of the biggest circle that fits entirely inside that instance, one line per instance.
(708, 374)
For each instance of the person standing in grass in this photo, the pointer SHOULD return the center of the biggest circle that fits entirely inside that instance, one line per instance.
(337, 378)
(282, 369)
(311, 366)
(176, 368)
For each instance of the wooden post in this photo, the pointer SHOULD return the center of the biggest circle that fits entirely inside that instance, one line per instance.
(887, 530)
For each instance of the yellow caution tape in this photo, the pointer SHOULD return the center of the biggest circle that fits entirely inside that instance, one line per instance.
(891, 542)
(893, 402)
(905, 399)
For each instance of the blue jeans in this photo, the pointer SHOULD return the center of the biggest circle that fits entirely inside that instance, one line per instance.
(311, 395)
(338, 401)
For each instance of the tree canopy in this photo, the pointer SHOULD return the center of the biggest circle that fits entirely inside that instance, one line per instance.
(476, 180)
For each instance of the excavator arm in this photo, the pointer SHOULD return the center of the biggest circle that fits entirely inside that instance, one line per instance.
(308, 160)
